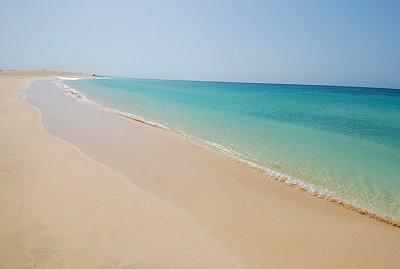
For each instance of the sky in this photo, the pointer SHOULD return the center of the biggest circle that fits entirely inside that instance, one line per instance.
(302, 42)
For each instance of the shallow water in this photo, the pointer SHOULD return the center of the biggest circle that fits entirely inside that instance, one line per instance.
(339, 141)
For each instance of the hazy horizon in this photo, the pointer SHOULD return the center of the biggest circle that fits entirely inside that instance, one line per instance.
(220, 81)
(290, 42)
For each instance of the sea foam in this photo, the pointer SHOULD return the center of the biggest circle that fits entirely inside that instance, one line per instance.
(291, 181)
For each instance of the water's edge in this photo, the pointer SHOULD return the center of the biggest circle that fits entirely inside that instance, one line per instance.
(269, 173)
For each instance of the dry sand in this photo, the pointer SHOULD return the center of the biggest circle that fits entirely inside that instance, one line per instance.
(165, 203)
(61, 209)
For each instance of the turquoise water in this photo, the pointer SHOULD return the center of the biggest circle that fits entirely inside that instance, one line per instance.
(339, 141)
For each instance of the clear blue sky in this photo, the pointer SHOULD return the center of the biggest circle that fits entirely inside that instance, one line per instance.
(307, 42)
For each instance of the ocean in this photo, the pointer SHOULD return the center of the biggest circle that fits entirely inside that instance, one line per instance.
(334, 141)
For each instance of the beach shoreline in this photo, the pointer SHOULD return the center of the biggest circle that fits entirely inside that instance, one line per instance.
(229, 217)
(60, 208)
(267, 172)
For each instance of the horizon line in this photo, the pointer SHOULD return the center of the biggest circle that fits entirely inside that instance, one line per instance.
(199, 80)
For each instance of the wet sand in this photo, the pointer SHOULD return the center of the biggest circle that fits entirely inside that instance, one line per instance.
(61, 209)
(113, 192)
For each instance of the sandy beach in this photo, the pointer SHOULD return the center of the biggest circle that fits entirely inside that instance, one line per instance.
(82, 188)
